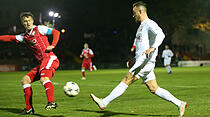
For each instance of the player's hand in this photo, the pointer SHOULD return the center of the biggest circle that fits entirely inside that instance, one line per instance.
(132, 49)
(80, 56)
(130, 62)
(49, 48)
(148, 51)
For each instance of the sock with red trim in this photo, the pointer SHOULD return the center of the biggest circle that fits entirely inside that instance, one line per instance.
(83, 73)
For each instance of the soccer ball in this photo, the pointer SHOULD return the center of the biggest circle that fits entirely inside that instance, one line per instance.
(71, 89)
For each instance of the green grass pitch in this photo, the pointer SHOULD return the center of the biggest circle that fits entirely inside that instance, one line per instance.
(189, 84)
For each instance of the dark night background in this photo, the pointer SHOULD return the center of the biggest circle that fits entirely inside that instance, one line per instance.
(109, 29)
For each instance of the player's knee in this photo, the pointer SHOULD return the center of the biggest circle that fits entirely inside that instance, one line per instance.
(153, 89)
(129, 79)
(43, 79)
(26, 80)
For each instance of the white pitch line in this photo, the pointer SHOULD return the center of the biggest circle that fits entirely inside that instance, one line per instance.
(188, 86)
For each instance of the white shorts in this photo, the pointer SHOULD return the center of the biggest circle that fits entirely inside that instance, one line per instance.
(167, 62)
(143, 69)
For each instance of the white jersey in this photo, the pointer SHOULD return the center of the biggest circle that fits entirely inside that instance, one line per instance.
(148, 35)
(167, 54)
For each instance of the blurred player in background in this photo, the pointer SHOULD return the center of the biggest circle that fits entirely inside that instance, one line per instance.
(87, 54)
(148, 38)
(35, 38)
(167, 55)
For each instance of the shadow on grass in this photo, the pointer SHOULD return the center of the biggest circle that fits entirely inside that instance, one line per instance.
(110, 113)
(18, 111)
(107, 113)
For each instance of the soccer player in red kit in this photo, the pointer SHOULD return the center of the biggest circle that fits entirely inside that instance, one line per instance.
(86, 54)
(37, 41)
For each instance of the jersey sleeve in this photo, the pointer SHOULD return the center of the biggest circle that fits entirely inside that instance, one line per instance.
(163, 54)
(171, 53)
(134, 44)
(20, 37)
(44, 30)
(91, 52)
(154, 28)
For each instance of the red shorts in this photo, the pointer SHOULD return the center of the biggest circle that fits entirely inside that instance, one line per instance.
(45, 69)
(87, 64)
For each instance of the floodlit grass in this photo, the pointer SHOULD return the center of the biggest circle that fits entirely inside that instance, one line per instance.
(189, 84)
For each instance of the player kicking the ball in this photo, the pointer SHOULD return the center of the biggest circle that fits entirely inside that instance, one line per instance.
(87, 54)
(148, 37)
(36, 39)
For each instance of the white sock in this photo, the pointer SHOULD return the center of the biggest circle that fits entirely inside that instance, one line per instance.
(168, 69)
(116, 92)
(167, 96)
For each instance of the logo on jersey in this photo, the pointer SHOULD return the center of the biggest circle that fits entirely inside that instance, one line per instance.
(32, 42)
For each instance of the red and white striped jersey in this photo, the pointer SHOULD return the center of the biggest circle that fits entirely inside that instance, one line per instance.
(87, 52)
(37, 41)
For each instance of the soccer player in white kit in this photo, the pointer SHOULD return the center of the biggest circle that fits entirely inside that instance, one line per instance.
(148, 37)
(167, 55)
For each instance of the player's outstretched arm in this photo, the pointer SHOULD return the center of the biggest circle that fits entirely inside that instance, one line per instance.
(56, 35)
(8, 38)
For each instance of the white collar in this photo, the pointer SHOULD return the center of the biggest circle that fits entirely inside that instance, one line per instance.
(31, 30)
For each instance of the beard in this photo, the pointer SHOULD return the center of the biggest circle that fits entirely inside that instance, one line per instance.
(137, 18)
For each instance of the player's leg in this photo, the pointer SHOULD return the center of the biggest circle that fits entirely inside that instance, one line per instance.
(130, 78)
(49, 88)
(120, 88)
(154, 88)
(83, 70)
(83, 74)
(116, 92)
(47, 70)
(166, 95)
(90, 66)
(94, 68)
(167, 66)
(26, 83)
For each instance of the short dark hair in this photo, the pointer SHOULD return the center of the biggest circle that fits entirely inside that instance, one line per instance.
(26, 14)
(141, 4)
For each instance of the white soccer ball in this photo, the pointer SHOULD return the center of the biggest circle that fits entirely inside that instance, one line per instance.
(71, 89)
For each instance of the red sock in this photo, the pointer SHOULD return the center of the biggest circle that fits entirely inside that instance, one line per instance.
(28, 96)
(49, 91)
(83, 73)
